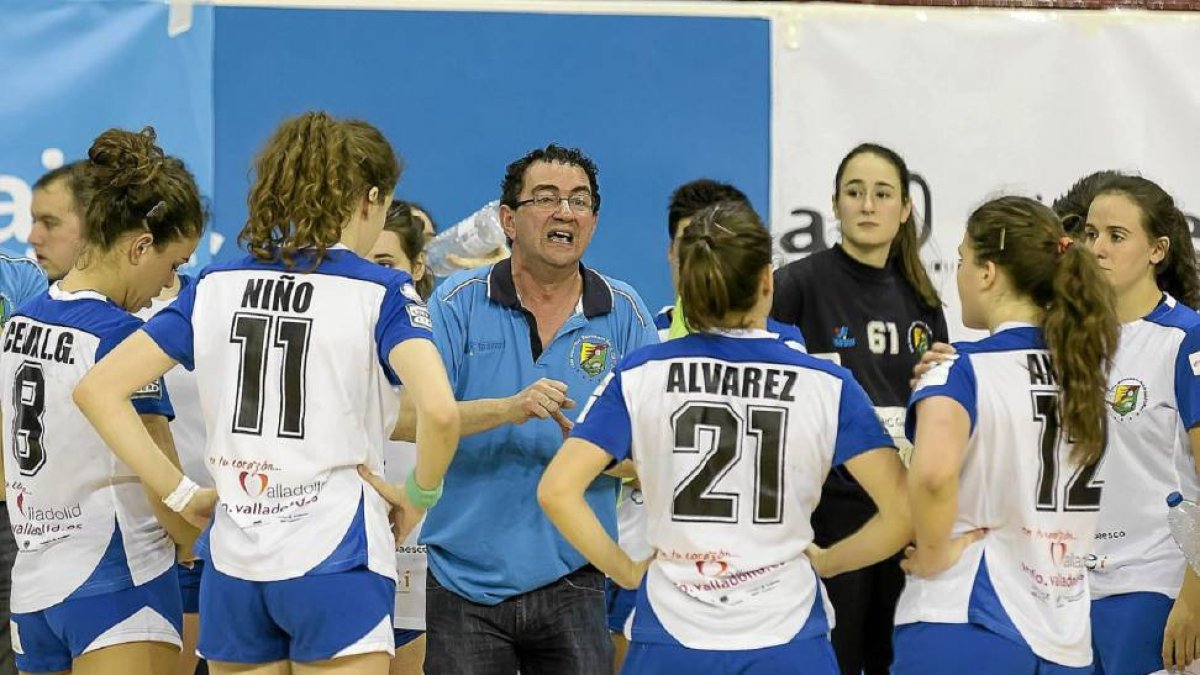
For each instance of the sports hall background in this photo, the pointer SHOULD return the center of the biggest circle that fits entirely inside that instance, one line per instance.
(1017, 97)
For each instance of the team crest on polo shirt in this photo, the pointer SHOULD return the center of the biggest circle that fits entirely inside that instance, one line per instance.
(919, 337)
(590, 354)
(1127, 398)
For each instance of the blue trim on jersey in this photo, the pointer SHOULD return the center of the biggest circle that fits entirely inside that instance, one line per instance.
(111, 573)
(662, 320)
(984, 607)
(102, 318)
(607, 424)
(1170, 314)
(172, 327)
(784, 331)
(648, 628)
(351, 551)
(960, 384)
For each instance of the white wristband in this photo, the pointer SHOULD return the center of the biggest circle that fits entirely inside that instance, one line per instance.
(182, 494)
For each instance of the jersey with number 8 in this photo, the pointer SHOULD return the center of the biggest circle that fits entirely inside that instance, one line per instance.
(1027, 579)
(296, 389)
(80, 517)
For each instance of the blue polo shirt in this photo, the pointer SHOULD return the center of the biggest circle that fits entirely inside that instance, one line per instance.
(20, 279)
(487, 539)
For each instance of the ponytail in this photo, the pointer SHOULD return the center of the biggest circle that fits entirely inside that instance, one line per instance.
(1081, 331)
(311, 175)
(1027, 240)
(722, 256)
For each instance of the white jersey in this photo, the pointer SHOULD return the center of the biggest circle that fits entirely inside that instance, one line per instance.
(412, 564)
(188, 426)
(1026, 579)
(296, 392)
(1153, 399)
(80, 517)
(733, 434)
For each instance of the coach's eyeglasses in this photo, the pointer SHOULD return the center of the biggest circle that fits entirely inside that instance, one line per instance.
(549, 201)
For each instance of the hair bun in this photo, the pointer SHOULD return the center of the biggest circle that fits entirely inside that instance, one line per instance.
(125, 159)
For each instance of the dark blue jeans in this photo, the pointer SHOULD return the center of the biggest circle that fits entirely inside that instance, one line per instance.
(559, 629)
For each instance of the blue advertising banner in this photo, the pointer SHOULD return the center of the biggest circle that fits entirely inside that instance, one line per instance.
(70, 70)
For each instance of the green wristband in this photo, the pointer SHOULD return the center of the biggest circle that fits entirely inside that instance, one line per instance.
(419, 496)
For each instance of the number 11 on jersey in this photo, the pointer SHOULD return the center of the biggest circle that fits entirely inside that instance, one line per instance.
(291, 335)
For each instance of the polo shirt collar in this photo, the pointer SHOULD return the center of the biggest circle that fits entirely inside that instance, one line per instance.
(597, 296)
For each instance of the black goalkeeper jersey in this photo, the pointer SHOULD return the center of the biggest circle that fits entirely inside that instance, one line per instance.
(877, 326)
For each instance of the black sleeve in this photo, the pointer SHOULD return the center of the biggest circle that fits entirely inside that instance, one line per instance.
(940, 332)
(788, 304)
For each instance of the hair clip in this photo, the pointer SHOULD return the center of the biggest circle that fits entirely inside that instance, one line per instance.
(156, 210)
(1003, 231)
(1064, 243)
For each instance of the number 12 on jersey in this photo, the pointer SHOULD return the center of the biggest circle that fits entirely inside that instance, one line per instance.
(1082, 491)
(290, 335)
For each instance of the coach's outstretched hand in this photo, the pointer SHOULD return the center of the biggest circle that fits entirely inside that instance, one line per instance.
(932, 356)
(405, 516)
(544, 399)
(929, 562)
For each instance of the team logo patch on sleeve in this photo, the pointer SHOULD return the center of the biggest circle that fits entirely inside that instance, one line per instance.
(590, 354)
(920, 337)
(153, 390)
(418, 316)
(1194, 359)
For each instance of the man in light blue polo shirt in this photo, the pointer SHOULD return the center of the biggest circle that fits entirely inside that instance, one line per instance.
(506, 592)
(20, 280)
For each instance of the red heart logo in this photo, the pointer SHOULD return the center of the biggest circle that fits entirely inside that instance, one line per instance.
(255, 486)
(712, 568)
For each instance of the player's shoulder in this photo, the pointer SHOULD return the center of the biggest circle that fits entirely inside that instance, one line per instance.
(1172, 314)
(86, 311)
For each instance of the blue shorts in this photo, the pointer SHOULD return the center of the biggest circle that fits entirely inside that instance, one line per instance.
(189, 585)
(813, 656)
(309, 618)
(50, 639)
(957, 648)
(404, 637)
(1127, 632)
(620, 603)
